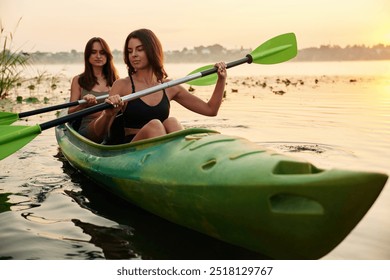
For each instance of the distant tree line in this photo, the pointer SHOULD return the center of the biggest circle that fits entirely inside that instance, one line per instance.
(217, 52)
(337, 53)
(197, 54)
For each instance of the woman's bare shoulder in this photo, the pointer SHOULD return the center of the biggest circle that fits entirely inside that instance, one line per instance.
(122, 82)
(75, 79)
(120, 86)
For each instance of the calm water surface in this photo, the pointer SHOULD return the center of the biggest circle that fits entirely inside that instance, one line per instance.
(50, 211)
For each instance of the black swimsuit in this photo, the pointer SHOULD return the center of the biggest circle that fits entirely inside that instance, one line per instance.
(138, 113)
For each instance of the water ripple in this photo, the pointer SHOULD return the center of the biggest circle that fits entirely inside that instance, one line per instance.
(304, 147)
(35, 191)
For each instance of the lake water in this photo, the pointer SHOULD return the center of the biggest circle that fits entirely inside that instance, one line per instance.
(339, 112)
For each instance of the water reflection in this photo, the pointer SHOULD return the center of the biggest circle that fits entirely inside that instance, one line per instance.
(4, 204)
(113, 241)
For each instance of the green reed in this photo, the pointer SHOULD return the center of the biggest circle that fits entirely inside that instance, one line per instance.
(12, 62)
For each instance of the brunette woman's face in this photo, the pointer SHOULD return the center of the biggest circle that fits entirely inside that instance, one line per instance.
(137, 54)
(98, 56)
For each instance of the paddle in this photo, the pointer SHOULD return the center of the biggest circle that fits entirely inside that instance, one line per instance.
(275, 50)
(7, 118)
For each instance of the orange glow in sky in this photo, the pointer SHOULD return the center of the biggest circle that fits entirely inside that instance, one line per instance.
(52, 25)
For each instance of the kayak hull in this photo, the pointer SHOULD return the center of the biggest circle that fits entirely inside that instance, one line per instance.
(231, 189)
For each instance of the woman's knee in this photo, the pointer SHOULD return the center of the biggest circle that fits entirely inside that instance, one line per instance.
(155, 125)
(171, 124)
(153, 128)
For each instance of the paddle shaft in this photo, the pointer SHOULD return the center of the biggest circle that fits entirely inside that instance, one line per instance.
(56, 107)
(247, 59)
(139, 94)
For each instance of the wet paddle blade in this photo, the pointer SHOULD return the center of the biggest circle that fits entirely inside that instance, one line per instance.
(8, 118)
(13, 138)
(276, 50)
(205, 80)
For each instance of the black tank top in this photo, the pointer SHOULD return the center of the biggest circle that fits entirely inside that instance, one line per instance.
(138, 113)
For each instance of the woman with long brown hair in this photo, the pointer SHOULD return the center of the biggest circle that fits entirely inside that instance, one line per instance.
(96, 80)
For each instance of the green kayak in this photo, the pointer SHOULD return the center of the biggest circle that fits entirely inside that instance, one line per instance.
(231, 189)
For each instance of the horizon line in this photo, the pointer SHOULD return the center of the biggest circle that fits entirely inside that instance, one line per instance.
(242, 48)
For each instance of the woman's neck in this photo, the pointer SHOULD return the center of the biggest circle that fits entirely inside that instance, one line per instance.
(145, 77)
(98, 72)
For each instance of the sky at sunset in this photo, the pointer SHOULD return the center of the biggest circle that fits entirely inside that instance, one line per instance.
(51, 25)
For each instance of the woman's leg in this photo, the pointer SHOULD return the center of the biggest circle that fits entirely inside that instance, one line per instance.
(154, 128)
(171, 124)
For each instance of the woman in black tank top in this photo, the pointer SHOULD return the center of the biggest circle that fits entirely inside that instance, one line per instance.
(148, 116)
(137, 113)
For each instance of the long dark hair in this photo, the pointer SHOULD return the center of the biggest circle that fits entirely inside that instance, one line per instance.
(153, 49)
(87, 79)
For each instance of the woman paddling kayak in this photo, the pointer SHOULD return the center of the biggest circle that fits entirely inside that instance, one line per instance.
(96, 80)
(148, 117)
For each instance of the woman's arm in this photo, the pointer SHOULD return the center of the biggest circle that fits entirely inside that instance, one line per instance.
(75, 94)
(197, 105)
(101, 125)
